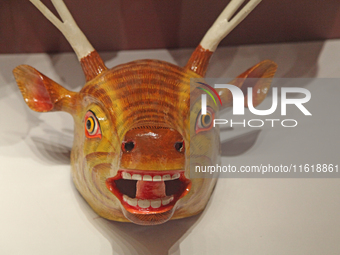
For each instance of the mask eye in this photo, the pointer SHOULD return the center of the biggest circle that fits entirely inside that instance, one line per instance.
(92, 128)
(205, 122)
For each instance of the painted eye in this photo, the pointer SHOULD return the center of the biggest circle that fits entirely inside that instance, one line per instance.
(92, 129)
(205, 122)
(90, 125)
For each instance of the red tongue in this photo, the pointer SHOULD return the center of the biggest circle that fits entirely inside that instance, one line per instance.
(150, 190)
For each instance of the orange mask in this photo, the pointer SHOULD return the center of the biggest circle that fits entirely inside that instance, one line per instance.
(131, 153)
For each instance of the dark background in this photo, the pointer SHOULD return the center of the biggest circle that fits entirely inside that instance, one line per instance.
(113, 25)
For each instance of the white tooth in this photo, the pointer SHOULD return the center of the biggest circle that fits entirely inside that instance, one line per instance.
(143, 203)
(125, 198)
(132, 201)
(166, 200)
(157, 178)
(126, 175)
(147, 178)
(156, 203)
(166, 177)
(175, 176)
(137, 177)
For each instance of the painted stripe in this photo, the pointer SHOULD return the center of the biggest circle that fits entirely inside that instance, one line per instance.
(208, 94)
(212, 90)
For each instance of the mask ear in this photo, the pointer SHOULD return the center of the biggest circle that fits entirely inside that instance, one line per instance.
(42, 94)
(259, 77)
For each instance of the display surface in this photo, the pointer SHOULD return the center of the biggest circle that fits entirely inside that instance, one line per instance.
(41, 208)
(130, 157)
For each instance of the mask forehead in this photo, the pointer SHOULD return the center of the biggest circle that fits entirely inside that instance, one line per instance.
(145, 92)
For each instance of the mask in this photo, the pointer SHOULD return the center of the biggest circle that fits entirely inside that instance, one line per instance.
(131, 156)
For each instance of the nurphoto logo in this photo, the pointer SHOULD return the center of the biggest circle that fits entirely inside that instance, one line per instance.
(239, 102)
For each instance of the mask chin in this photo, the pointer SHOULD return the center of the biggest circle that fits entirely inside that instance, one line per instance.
(149, 219)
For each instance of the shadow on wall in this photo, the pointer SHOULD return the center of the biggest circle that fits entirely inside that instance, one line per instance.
(240, 144)
(51, 152)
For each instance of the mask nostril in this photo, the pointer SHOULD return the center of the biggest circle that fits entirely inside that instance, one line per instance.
(128, 146)
(179, 146)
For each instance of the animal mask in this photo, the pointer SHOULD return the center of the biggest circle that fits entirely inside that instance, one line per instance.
(131, 154)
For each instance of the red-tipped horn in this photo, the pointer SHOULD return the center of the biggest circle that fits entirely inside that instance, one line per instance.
(90, 60)
(199, 60)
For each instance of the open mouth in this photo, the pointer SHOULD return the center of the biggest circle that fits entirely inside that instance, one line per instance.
(148, 192)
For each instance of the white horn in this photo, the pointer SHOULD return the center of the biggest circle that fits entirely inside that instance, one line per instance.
(67, 26)
(224, 25)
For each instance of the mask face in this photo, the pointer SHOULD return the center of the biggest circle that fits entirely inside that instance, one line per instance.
(138, 131)
(131, 153)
